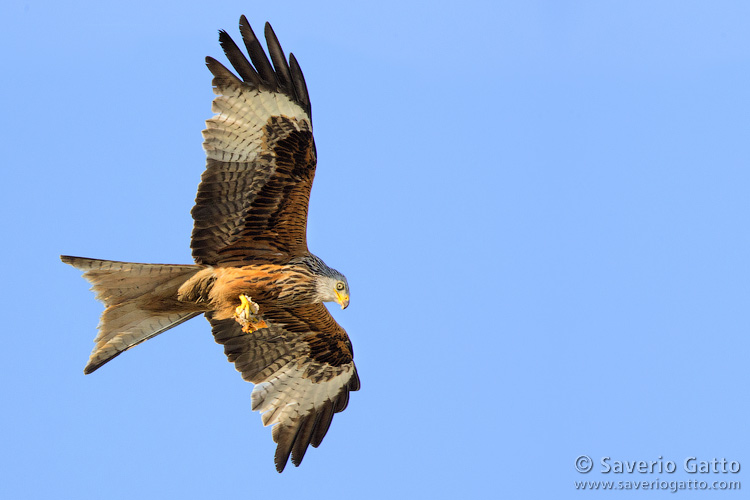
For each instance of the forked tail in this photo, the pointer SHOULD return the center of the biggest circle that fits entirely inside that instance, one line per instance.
(140, 302)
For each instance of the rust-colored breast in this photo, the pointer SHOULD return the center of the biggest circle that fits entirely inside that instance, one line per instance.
(269, 285)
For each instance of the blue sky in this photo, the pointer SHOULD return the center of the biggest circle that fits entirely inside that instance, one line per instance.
(541, 209)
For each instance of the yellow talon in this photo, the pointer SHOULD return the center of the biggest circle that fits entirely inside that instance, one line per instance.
(246, 314)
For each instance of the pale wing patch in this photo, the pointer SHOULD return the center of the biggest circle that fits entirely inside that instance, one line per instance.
(287, 107)
(235, 133)
(300, 383)
(288, 394)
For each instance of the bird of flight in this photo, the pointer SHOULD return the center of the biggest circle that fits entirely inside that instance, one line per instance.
(254, 278)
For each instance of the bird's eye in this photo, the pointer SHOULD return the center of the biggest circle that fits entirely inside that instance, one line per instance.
(339, 286)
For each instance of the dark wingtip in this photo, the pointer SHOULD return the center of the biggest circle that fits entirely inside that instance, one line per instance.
(71, 259)
(300, 86)
(223, 38)
(238, 59)
(222, 76)
(257, 55)
(276, 74)
(281, 459)
(280, 64)
(92, 367)
(354, 383)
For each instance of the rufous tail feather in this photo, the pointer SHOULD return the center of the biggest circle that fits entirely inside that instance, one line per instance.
(140, 302)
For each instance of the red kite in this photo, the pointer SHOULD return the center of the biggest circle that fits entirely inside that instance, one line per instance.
(254, 278)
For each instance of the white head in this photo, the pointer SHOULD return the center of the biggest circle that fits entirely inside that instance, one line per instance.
(333, 289)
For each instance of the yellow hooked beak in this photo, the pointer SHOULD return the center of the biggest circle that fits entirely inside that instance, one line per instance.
(342, 299)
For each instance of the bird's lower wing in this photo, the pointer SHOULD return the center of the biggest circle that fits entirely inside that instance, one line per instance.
(302, 368)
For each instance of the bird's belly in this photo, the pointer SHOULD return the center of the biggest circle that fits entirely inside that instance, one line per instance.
(267, 285)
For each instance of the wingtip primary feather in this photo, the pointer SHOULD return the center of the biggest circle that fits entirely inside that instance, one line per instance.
(302, 441)
(222, 76)
(285, 440)
(238, 59)
(300, 86)
(91, 367)
(281, 67)
(257, 55)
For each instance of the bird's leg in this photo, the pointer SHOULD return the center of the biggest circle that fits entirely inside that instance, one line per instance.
(246, 314)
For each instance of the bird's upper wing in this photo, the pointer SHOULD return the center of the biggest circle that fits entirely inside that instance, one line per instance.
(302, 368)
(253, 197)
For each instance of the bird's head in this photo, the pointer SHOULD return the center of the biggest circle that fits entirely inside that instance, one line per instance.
(334, 289)
(330, 285)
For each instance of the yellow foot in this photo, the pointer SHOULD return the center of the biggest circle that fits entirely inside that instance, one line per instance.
(247, 315)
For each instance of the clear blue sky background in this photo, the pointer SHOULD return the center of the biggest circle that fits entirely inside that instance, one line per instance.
(541, 208)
